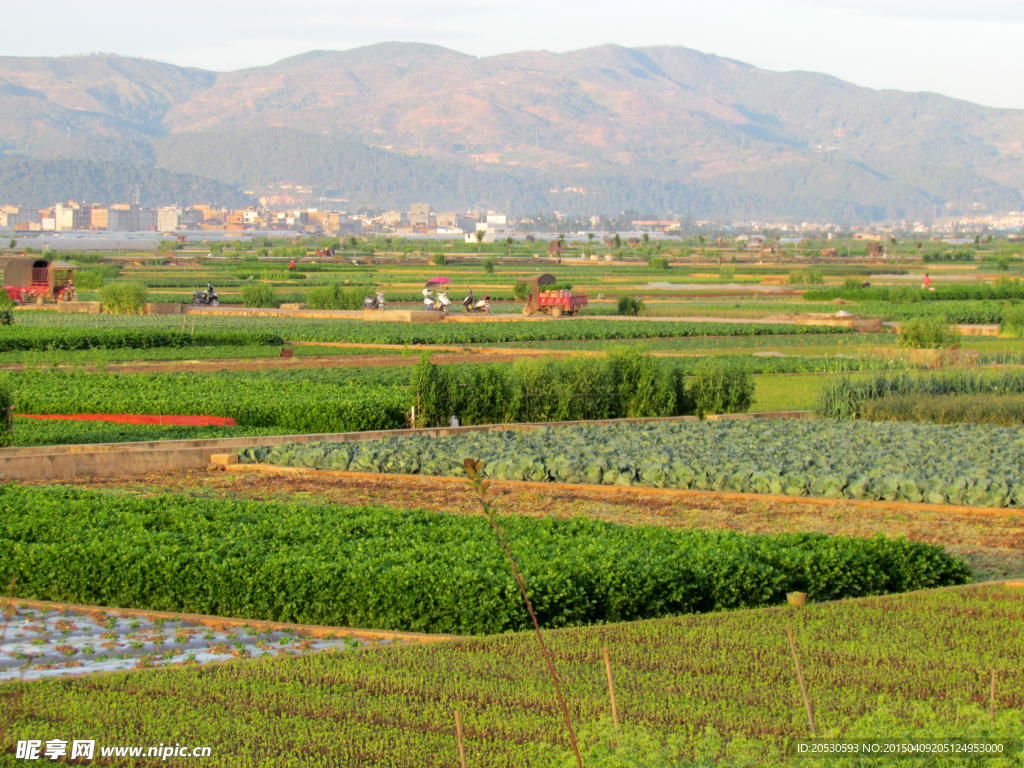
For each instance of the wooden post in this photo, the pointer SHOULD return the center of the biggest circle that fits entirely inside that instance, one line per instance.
(458, 733)
(800, 678)
(992, 698)
(611, 689)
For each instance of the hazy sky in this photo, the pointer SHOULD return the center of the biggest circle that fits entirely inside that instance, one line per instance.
(971, 50)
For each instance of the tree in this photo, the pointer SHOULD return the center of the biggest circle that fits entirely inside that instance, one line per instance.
(618, 240)
(590, 236)
(488, 265)
(647, 239)
(388, 242)
(510, 241)
(14, 244)
(480, 235)
(352, 242)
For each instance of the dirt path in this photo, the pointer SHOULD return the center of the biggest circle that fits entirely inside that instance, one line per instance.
(993, 546)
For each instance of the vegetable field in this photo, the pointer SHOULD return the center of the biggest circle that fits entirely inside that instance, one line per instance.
(977, 465)
(288, 403)
(382, 568)
(719, 688)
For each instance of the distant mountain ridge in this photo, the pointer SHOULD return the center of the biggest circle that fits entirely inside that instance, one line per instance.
(665, 130)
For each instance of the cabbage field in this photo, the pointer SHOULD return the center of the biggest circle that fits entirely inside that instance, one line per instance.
(977, 465)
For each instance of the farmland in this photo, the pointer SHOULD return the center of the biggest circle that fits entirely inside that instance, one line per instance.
(673, 544)
(722, 685)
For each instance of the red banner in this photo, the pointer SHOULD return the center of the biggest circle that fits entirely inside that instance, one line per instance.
(130, 418)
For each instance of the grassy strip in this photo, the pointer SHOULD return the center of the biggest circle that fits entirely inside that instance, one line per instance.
(28, 432)
(707, 690)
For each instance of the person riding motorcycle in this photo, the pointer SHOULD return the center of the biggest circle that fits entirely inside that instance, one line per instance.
(209, 293)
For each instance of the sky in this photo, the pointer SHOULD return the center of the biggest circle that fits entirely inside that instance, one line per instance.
(968, 50)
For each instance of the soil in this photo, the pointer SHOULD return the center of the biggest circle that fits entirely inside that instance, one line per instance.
(993, 546)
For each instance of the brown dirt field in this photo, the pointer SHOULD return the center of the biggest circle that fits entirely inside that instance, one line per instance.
(992, 546)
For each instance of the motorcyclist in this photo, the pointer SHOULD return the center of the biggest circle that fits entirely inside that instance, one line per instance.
(468, 301)
(209, 293)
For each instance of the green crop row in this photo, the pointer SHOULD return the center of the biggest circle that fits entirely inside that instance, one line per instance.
(27, 338)
(892, 461)
(844, 398)
(999, 291)
(415, 571)
(298, 404)
(706, 690)
(626, 384)
(28, 432)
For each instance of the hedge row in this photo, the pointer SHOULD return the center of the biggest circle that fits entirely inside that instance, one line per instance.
(420, 571)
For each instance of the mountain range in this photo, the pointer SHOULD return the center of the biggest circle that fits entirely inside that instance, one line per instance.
(661, 130)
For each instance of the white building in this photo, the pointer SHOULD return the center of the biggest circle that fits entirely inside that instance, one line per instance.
(167, 219)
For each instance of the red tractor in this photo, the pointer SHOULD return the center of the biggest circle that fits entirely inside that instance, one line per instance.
(39, 280)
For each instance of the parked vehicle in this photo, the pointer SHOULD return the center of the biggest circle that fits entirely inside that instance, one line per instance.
(39, 280)
(554, 303)
(208, 297)
(374, 302)
(482, 306)
(436, 303)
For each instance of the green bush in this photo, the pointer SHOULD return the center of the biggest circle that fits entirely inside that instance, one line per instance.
(657, 263)
(521, 291)
(721, 387)
(337, 297)
(1013, 321)
(412, 570)
(6, 410)
(439, 259)
(488, 265)
(797, 277)
(929, 333)
(6, 309)
(260, 295)
(124, 298)
(726, 273)
(629, 306)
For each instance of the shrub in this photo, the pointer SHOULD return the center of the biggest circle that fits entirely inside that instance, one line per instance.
(6, 309)
(6, 420)
(439, 259)
(488, 265)
(1001, 409)
(1013, 321)
(726, 273)
(630, 306)
(260, 295)
(521, 291)
(337, 297)
(797, 277)
(124, 298)
(645, 387)
(929, 333)
(721, 386)
(851, 284)
(657, 263)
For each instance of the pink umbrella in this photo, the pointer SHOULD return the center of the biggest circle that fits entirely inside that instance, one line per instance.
(437, 281)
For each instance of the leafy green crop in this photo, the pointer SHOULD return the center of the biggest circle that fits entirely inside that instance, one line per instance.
(28, 338)
(420, 571)
(893, 461)
(298, 404)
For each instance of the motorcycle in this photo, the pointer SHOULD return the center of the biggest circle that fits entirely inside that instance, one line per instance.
(374, 302)
(483, 306)
(208, 297)
(437, 303)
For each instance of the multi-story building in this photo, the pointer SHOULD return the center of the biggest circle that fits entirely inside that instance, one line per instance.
(392, 218)
(98, 218)
(191, 218)
(447, 220)
(71, 217)
(167, 219)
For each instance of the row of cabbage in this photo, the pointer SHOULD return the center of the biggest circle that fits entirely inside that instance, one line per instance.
(977, 465)
(383, 568)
